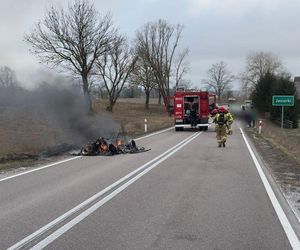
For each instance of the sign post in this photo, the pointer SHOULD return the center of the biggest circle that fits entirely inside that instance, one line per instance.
(282, 115)
(282, 100)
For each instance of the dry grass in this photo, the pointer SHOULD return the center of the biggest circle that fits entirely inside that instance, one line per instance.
(131, 116)
(22, 132)
(287, 140)
(137, 100)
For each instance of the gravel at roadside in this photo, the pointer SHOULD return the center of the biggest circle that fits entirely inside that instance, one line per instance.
(284, 168)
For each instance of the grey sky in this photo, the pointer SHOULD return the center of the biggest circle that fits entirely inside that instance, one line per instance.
(214, 30)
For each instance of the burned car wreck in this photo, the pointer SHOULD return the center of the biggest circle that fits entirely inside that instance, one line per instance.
(107, 148)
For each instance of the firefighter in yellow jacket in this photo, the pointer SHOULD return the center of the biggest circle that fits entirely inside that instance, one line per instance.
(221, 121)
(229, 122)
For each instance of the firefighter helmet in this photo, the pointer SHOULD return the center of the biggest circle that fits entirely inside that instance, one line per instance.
(222, 110)
(214, 111)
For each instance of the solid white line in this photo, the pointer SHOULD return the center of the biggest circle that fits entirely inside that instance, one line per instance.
(74, 158)
(91, 199)
(154, 133)
(42, 244)
(291, 235)
(40, 168)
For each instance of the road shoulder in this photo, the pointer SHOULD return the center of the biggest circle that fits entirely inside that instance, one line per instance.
(283, 173)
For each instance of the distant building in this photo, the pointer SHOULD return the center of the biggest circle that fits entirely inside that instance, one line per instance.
(297, 85)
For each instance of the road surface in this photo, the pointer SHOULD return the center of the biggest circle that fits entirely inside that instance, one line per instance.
(186, 193)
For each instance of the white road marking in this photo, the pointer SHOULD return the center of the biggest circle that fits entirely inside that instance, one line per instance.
(52, 237)
(291, 235)
(154, 133)
(61, 218)
(40, 168)
(74, 158)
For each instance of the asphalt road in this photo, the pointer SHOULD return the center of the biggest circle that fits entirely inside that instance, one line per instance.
(186, 193)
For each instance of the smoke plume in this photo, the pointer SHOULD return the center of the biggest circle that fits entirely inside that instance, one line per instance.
(48, 116)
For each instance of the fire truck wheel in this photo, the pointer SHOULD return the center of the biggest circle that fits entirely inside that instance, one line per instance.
(178, 129)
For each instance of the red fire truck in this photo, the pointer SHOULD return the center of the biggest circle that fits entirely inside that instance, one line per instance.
(191, 108)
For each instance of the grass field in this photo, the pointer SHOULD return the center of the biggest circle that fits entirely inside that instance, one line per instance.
(131, 114)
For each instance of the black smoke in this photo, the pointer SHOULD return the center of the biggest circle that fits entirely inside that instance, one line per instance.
(50, 115)
(68, 108)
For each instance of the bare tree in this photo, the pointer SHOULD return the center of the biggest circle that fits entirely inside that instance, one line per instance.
(186, 84)
(73, 38)
(219, 78)
(8, 77)
(143, 75)
(247, 86)
(181, 68)
(258, 64)
(101, 89)
(159, 41)
(114, 69)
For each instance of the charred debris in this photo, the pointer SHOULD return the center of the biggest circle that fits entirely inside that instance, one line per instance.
(112, 146)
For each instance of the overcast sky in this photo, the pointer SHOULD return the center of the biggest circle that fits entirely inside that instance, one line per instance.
(214, 30)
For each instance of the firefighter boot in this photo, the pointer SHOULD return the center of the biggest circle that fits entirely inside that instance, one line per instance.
(223, 142)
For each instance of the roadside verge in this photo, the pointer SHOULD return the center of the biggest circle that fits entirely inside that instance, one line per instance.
(278, 199)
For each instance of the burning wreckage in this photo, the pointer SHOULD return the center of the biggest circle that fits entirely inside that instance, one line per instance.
(106, 147)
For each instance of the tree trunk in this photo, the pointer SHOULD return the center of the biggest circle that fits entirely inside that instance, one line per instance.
(147, 92)
(159, 97)
(219, 98)
(109, 108)
(110, 105)
(86, 93)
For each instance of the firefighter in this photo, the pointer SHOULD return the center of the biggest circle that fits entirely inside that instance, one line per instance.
(220, 120)
(193, 113)
(229, 122)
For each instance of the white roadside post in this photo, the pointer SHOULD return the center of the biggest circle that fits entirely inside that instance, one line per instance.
(146, 129)
(259, 127)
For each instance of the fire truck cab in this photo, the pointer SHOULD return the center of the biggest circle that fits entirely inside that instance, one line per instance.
(191, 108)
